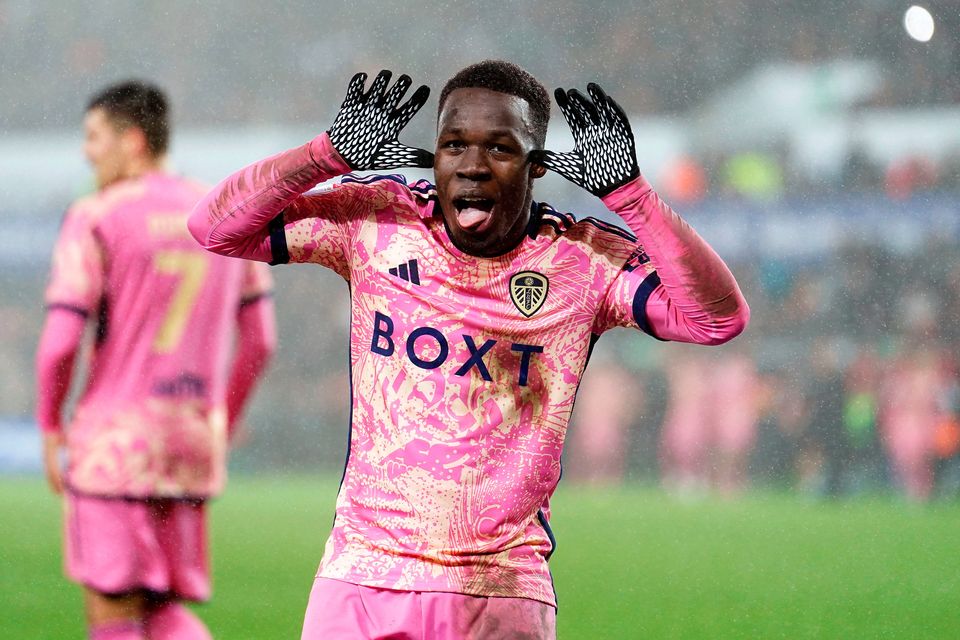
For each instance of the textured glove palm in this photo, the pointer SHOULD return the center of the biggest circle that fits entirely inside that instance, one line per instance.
(604, 156)
(366, 130)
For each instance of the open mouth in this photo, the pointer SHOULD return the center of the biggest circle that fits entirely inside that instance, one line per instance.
(473, 213)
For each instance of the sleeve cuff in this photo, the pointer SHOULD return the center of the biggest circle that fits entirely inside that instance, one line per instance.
(326, 157)
(625, 196)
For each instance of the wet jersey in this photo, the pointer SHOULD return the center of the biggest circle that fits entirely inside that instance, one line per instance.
(463, 369)
(152, 419)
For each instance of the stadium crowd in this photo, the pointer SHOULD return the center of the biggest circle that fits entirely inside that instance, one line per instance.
(848, 383)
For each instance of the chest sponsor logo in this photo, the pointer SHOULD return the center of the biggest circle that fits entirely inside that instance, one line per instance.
(425, 339)
(528, 291)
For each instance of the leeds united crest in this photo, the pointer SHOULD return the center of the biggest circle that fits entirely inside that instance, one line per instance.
(528, 290)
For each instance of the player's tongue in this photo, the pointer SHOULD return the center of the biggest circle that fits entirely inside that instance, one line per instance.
(471, 214)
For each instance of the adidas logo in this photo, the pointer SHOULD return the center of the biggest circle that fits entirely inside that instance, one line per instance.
(407, 271)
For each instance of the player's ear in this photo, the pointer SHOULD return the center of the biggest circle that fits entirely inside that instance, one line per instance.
(537, 170)
(135, 141)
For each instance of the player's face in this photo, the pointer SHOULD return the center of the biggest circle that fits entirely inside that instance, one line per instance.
(104, 147)
(484, 180)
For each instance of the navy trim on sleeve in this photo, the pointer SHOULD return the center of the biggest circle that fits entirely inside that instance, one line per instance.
(611, 228)
(103, 322)
(80, 311)
(370, 179)
(278, 241)
(640, 298)
(552, 223)
(424, 189)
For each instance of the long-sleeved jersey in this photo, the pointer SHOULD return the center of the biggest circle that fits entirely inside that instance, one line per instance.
(153, 417)
(463, 369)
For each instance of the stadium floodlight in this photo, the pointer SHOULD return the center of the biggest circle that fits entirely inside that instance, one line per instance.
(919, 23)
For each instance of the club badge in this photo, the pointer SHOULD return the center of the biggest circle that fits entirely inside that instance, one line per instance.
(528, 290)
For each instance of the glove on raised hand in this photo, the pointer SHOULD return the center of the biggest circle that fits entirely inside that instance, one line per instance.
(367, 126)
(604, 156)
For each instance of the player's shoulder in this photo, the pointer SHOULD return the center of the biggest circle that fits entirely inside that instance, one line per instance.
(393, 189)
(93, 207)
(172, 188)
(588, 231)
(394, 182)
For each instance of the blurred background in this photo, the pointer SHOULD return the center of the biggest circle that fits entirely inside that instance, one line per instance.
(815, 145)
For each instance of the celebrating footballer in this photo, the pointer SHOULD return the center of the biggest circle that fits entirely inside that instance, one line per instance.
(473, 311)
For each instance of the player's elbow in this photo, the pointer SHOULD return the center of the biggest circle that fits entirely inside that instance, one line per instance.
(729, 327)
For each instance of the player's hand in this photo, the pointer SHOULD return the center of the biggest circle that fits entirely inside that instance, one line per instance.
(604, 156)
(52, 446)
(366, 129)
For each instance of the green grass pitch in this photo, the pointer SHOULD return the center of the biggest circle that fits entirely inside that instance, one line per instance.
(630, 563)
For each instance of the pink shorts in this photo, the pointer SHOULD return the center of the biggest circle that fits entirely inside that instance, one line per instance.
(118, 546)
(343, 611)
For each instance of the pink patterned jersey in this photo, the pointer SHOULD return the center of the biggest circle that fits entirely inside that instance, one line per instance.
(463, 369)
(152, 418)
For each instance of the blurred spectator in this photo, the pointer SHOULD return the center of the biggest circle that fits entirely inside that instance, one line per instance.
(859, 173)
(861, 403)
(908, 175)
(946, 449)
(736, 402)
(685, 428)
(825, 442)
(709, 431)
(783, 419)
(914, 387)
(609, 399)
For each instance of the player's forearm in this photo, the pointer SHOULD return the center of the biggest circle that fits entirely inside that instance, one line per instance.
(234, 218)
(59, 343)
(700, 300)
(256, 344)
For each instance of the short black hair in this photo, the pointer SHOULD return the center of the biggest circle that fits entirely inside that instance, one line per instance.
(140, 104)
(505, 77)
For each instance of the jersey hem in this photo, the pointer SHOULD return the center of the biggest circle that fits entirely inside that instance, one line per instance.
(427, 589)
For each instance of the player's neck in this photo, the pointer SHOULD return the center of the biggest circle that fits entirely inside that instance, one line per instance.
(140, 166)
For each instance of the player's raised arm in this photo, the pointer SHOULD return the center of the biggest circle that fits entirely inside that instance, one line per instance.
(235, 219)
(698, 299)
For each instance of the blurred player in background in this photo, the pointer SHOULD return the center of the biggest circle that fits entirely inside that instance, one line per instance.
(710, 427)
(147, 443)
(473, 312)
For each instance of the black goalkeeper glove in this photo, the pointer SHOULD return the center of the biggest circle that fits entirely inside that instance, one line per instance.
(367, 126)
(604, 157)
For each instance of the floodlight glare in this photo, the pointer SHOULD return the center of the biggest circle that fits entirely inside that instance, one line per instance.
(919, 23)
